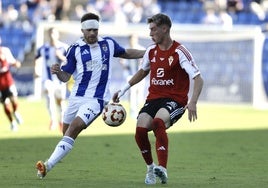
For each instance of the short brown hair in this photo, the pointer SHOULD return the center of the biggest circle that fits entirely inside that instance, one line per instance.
(160, 19)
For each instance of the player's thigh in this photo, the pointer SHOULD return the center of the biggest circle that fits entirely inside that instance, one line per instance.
(89, 111)
(144, 120)
(163, 114)
(13, 91)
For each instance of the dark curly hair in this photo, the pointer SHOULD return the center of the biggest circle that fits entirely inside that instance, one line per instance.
(90, 16)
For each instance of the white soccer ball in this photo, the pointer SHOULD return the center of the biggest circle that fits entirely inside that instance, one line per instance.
(114, 114)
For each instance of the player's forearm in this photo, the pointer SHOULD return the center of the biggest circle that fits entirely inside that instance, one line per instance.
(198, 85)
(136, 78)
(133, 54)
(63, 76)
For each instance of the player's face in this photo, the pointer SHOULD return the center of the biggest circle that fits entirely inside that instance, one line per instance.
(156, 33)
(90, 35)
(54, 35)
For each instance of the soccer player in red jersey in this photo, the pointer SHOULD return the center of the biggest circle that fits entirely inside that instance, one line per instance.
(171, 66)
(7, 87)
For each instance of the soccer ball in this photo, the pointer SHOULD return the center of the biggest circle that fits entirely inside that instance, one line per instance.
(114, 114)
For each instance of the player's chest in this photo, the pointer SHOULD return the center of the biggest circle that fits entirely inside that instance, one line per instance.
(168, 61)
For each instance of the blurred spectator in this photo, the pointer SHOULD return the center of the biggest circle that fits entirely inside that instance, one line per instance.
(128, 8)
(107, 9)
(60, 9)
(259, 8)
(133, 10)
(216, 14)
(225, 20)
(91, 8)
(10, 15)
(43, 11)
(78, 12)
(23, 20)
(120, 18)
(150, 7)
(210, 18)
(235, 6)
(137, 13)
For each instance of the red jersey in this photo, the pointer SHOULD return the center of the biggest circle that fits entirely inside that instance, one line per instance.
(6, 58)
(170, 72)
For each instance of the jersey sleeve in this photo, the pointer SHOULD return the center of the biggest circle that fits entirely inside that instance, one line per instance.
(38, 52)
(187, 62)
(145, 64)
(9, 56)
(118, 50)
(70, 64)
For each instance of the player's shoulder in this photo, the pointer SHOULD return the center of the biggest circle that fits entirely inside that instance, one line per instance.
(151, 47)
(4, 48)
(180, 47)
(106, 38)
(79, 42)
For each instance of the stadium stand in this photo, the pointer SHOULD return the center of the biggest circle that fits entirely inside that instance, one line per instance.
(181, 11)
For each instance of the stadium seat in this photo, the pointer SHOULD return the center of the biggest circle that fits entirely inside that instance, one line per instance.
(6, 3)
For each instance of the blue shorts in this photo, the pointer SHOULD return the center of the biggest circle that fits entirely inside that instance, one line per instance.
(175, 110)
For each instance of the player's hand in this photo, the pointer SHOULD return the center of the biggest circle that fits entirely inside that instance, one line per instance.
(116, 97)
(192, 114)
(55, 68)
(17, 64)
(120, 93)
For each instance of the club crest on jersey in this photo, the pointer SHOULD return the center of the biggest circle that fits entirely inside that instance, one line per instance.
(104, 47)
(153, 60)
(155, 52)
(170, 60)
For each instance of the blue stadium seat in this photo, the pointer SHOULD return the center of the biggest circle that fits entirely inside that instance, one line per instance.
(16, 39)
(254, 20)
(183, 5)
(242, 18)
(6, 3)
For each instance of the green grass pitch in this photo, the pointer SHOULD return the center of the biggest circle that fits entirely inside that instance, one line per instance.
(227, 147)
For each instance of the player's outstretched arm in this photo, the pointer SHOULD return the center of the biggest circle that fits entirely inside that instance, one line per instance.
(133, 54)
(136, 78)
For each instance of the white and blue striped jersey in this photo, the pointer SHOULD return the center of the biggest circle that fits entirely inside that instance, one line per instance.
(48, 54)
(90, 65)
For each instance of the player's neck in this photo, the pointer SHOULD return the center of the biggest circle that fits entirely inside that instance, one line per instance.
(53, 43)
(166, 44)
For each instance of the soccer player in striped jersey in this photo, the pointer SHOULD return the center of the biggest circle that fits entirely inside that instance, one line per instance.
(171, 67)
(53, 51)
(89, 60)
